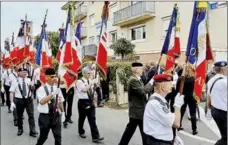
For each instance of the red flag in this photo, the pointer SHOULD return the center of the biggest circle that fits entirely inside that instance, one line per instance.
(101, 58)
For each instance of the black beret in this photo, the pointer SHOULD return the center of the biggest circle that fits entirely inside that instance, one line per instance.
(136, 64)
(220, 64)
(50, 71)
(22, 69)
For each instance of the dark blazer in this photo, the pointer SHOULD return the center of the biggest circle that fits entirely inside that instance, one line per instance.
(137, 97)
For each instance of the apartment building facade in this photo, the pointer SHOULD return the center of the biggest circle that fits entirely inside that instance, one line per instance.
(145, 24)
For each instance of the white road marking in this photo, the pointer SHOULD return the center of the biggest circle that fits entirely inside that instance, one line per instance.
(197, 137)
(209, 123)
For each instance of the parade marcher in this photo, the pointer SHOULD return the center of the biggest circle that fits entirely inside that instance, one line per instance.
(105, 86)
(2, 86)
(95, 79)
(217, 99)
(36, 78)
(49, 108)
(158, 120)
(210, 75)
(146, 69)
(137, 101)
(67, 104)
(188, 92)
(6, 83)
(19, 90)
(86, 106)
(13, 77)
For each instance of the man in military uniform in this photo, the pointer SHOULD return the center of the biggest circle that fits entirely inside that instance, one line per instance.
(19, 90)
(49, 108)
(86, 107)
(158, 119)
(137, 100)
(6, 83)
(217, 99)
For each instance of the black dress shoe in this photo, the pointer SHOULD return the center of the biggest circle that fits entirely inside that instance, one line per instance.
(98, 140)
(82, 135)
(70, 121)
(20, 132)
(195, 132)
(33, 133)
(180, 128)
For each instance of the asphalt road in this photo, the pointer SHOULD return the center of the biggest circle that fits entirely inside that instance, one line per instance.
(111, 124)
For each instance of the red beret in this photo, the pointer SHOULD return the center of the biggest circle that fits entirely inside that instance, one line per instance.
(162, 78)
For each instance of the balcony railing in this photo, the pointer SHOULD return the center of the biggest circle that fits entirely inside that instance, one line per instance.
(89, 51)
(133, 11)
(81, 12)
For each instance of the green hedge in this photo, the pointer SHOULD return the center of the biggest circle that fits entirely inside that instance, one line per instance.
(124, 72)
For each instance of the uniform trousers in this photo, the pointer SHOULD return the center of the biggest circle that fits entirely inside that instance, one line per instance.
(99, 95)
(220, 118)
(7, 95)
(69, 97)
(3, 97)
(15, 117)
(90, 113)
(153, 141)
(45, 124)
(130, 130)
(191, 102)
(21, 105)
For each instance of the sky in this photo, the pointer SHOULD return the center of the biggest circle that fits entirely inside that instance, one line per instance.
(13, 12)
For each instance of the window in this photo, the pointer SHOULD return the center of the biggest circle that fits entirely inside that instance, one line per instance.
(91, 40)
(113, 36)
(91, 20)
(166, 21)
(138, 33)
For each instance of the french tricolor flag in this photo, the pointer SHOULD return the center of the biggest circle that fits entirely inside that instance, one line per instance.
(171, 45)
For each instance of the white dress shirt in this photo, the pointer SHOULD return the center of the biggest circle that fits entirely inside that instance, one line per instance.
(158, 120)
(14, 88)
(13, 76)
(219, 92)
(41, 93)
(80, 85)
(5, 77)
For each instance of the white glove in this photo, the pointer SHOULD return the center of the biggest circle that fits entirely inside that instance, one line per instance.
(63, 116)
(179, 100)
(151, 81)
(57, 91)
(2, 89)
(12, 106)
(208, 115)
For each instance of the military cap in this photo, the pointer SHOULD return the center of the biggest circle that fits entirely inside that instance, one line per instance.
(162, 78)
(86, 70)
(50, 71)
(136, 64)
(220, 64)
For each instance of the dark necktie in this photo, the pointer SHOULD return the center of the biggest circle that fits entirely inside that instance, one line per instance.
(24, 88)
(89, 91)
(51, 89)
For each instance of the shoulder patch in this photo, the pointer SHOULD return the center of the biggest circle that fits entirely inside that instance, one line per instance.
(165, 109)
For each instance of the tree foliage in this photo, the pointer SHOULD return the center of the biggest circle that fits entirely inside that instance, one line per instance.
(123, 47)
(53, 38)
